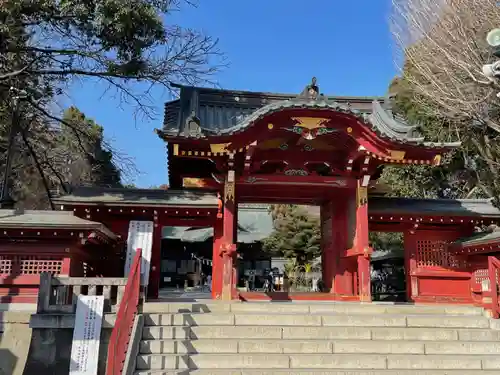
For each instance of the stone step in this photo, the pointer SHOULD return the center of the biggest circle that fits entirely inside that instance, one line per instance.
(316, 372)
(321, 333)
(317, 347)
(306, 308)
(300, 319)
(318, 361)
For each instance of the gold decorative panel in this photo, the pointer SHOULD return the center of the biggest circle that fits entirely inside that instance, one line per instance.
(310, 122)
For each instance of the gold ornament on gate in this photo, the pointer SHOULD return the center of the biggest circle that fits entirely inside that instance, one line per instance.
(230, 192)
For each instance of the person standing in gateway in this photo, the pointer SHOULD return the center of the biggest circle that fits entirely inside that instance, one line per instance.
(209, 282)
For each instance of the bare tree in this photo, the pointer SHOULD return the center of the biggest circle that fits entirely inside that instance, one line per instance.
(443, 46)
(127, 45)
(443, 49)
(45, 45)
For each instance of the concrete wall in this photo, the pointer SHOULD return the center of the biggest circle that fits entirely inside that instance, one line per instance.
(15, 337)
(51, 339)
(50, 351)
(45, 348)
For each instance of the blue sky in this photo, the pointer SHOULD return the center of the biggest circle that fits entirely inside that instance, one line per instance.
(271, 45)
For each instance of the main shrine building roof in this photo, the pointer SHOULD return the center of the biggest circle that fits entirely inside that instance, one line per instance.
(227, 112)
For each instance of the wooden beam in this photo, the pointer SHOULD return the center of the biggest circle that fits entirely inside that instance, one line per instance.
(296, 181)
(248, 157)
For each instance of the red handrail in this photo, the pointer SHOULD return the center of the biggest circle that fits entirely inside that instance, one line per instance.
(122, 330)
(493, 268)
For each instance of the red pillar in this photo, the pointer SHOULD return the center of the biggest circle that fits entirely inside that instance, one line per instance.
(344, 283)
(337, 269)
(362, 244)
(217, 268)
(346, 251)
(228, 247)
(155, 268)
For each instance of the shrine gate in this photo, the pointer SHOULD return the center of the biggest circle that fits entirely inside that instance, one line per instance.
(296, 149)
(231, 147)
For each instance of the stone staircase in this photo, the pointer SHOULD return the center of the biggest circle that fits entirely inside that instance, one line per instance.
(316, 339)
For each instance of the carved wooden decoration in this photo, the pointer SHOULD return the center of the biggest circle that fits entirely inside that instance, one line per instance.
(362, 195)
(229, 191)
(310, 122)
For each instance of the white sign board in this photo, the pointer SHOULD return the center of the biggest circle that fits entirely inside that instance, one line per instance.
(86, 335)
(485, 285)
(140, 236)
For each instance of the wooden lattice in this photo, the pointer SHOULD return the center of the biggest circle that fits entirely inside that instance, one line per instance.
(5, 265)
(432, 253)
(29, 265)
(480, 275)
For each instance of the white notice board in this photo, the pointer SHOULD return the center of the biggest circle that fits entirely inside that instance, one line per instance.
(140, 236)
(86, 335)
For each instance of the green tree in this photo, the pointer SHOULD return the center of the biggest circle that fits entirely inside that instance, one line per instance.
(458, 176)
(53, 158)
(296, 234)
(95, 164)
(45, 45)
(387, 241)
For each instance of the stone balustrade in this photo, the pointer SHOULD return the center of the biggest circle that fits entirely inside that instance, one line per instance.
(58, 295)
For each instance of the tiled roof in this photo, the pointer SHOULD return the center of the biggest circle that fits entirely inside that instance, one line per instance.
(40, 219)
(429, 207)
(376, 205)
(478, 239)
(226, 112)
(133, 197)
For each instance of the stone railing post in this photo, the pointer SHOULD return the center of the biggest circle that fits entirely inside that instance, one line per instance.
(44, 292)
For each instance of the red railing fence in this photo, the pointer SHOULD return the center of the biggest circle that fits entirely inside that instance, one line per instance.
(493, 272)
(122, 330)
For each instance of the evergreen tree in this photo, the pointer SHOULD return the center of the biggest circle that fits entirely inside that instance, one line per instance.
(296, 234)
(458, 176)
(48, 157)
(45, 45)
(88, 160)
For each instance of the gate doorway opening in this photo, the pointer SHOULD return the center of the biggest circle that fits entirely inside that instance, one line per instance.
(186, 266)
(388, 274)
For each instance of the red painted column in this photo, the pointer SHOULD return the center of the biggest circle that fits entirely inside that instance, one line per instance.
(228, 248)
(343, 283)
(362, 244)
(155, 267)
(410, 264)
(217, 267)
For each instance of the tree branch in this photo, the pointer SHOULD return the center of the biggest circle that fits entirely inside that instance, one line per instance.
(38, 167)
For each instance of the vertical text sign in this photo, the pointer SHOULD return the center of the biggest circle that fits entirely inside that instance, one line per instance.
(140, 236)
(86, 335)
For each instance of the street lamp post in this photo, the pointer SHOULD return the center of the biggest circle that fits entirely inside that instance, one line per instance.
(6, 200)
